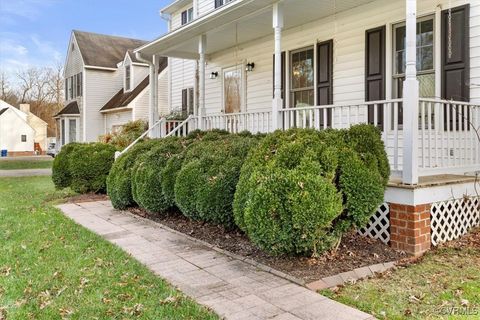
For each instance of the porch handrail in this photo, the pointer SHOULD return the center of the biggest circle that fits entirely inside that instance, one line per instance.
(120, 153)
(330, 106)
(460, 103)
(222, 114)
(180, 126)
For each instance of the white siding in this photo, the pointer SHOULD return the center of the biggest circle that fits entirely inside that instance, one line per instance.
(475, 50)
(12, 127)
(140, 105)
(117, 119)
(101, 86)
(348, 31)
(177, 16)
(139, 74)
(205, 6)
(182, 77)
(163, 108)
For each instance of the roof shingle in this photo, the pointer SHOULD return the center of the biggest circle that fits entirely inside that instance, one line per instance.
(71, 108)
(104, 51)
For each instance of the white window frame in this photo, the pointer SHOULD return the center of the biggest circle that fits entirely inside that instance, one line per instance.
(241, 68)
(289, 74)
(435, 51)
(128, 78)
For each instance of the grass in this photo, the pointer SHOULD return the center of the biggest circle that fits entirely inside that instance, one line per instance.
(51, 268)
(25, 164)
(444, 284)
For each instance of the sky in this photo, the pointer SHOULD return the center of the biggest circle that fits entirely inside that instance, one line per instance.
(36, 32)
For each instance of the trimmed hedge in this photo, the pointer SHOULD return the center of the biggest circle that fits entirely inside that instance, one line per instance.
(206, 183)
(89, 165)
(119, 181)
(147, 175)
(194, 143)
(60, 171)
(333, 177)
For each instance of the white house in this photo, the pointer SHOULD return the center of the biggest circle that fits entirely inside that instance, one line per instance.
(21, 132)
(106, 86)
(410, 67)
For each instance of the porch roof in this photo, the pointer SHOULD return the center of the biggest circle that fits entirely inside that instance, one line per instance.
(238, 22)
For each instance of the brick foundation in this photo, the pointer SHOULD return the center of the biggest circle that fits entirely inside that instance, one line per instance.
(410, 228)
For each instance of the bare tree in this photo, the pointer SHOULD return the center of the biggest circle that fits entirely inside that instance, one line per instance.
(7, 92)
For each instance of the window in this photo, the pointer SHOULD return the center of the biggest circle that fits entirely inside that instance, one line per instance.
(187, 16)
(301, 78)
(72, 130)
(127, 78)
(219, 3)
(79, 84)
(425, 61)
(62, 133)
(24, 138)
(425, 58)
(187, 102)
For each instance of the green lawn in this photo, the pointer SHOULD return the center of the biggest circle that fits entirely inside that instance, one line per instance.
(445, 284)
(51, 268)
(25, 164)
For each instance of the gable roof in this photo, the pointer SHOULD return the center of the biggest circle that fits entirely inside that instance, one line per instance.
(123, 99)
(71, 108)
(105, 51)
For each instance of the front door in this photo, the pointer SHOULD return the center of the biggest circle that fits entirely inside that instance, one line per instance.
(232, 89)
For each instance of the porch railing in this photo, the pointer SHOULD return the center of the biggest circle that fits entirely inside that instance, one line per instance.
(255, 122)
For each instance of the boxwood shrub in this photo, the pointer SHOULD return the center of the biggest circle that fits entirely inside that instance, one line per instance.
(206, 183)
(89, 165)
(119, 181)
(147, 174)
(281, 179)
(60, 171)
(194, 144)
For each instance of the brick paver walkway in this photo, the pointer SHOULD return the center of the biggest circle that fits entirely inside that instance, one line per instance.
(232, 288)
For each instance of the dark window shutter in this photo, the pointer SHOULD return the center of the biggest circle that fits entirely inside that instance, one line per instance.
(184, 17)
(184, 101)
(456, 68)
(325, 78)
(375, 71)
(66, 89)
(218, 3)
(284, 76)
(190, 101)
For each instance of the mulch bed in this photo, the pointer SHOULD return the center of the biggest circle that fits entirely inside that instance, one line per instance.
(354, 251)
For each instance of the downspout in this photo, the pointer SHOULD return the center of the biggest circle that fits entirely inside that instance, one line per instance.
(153, 105)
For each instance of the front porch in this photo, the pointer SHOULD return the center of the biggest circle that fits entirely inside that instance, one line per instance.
(323, 91)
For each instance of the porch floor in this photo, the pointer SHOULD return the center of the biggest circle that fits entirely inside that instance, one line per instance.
(432, 181)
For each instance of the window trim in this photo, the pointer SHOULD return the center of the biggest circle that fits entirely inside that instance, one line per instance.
(128, 78)
(186, 16)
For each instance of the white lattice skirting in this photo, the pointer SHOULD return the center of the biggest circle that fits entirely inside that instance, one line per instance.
(454, 218)
(379, 225)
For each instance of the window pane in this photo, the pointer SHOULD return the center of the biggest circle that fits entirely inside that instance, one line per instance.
(426, 29)
(425, 58)
(400, 62)
(302, 69)
(427, 85)
(72, 134)
(303, 98)
(400, 38)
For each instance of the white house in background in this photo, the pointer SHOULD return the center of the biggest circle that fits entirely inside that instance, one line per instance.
(105, 87)
(21, 132)
(410, 67)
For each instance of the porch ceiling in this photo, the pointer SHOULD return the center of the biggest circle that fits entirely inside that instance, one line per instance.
(239, 22)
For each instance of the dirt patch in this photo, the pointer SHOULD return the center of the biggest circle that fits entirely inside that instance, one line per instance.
(355, 251)
(89, 197)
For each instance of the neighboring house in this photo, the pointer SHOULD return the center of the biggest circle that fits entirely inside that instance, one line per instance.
(21, 132)
(263, 65)
(105, 87)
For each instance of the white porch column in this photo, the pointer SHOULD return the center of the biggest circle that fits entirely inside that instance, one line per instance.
(277, 104)
(151, 105)
(410, 99)
(156, 63)
(202, 45)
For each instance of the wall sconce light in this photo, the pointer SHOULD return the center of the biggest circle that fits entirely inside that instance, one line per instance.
(214, 75)
(250, 66)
